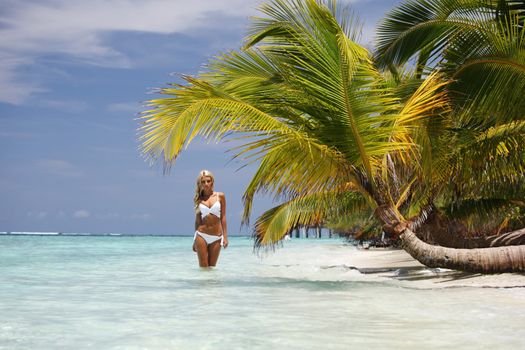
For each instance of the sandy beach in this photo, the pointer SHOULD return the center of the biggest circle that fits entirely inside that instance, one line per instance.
(399, 265)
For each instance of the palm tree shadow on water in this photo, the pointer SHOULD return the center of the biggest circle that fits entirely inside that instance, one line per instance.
(444, 278)
(408, 272)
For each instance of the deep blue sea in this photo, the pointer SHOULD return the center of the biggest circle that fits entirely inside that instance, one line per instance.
(90, 292)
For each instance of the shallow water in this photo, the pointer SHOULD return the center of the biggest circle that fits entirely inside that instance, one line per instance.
(148, 293)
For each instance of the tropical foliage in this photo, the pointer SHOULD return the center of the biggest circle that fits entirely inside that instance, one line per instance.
(480, 46)
(334, 135)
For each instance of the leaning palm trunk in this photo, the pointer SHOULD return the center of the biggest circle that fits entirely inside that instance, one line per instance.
(493, 259)
(481, 260)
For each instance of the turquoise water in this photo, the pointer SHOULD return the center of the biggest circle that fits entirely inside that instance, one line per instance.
(148, 293)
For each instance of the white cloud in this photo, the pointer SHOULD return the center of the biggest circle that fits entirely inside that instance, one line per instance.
(12, 90)
(58, 167)
(81, 214)
(77, 29)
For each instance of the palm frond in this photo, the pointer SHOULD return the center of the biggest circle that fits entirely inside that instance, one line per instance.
(273, 224)
(426, 26)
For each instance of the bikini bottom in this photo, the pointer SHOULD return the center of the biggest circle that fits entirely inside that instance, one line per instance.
(208, 238)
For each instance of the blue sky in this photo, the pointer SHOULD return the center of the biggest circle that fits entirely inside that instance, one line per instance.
(73, 76)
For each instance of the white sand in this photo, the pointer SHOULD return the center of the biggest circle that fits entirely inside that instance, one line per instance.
(398, 264)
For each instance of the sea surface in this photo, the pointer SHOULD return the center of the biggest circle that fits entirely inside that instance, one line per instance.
(149, 293)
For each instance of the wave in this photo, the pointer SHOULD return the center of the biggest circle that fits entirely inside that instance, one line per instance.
(33, 233)
(15, 233)
(112, 234)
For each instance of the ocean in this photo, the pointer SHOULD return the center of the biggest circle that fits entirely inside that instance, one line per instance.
(111, 292)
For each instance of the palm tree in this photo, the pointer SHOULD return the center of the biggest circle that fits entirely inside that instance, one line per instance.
(480, 45)
(332, 135)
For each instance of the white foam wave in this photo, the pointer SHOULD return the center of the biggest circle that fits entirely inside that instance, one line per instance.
(35, 233)
(328, 262)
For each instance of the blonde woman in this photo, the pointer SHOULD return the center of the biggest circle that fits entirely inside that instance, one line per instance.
(210, 221)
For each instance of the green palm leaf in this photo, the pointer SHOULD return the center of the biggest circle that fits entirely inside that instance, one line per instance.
(315, 209)
(426, 27)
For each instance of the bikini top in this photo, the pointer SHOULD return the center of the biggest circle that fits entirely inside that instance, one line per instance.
(215, 209)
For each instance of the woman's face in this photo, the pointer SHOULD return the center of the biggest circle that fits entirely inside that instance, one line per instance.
(207, 183)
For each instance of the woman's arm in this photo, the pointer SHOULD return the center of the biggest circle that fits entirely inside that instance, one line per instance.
(197, 224)
(222, 198)
(197, 221)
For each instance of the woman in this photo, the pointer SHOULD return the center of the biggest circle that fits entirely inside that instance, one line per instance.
(210, 221)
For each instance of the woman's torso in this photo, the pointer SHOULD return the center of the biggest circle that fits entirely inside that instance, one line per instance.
(210, 223)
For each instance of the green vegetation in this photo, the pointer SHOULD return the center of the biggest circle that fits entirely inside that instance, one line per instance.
(423, 136)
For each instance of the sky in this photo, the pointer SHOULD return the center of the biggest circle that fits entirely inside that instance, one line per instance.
(74, 76)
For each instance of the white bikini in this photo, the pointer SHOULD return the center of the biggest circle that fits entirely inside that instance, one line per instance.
(215, 209)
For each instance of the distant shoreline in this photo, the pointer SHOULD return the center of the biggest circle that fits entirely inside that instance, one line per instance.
(85, 234)
(73, 234)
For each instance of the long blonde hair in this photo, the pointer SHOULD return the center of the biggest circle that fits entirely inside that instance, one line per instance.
(199, 190)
